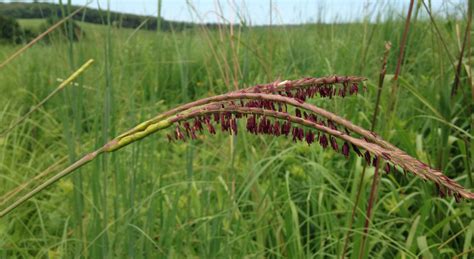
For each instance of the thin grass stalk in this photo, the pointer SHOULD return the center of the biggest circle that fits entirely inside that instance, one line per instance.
(470, 9)
(375, 182)
(403, 41)
(237, 74)
(107, 130)
(383, 71)
(468, 100)
(470, 145)
(79, 163)
(367, 43)
(438, 32)
(466, 41)
(264, 63)
(457, 74)
(392, 154)
(464, 253)
(372, 197)
(39, 37)
(394, 92)
(60, 87)
(456, 83)
(270, 43)
(37, 178)
(137, 29)
(205, 30)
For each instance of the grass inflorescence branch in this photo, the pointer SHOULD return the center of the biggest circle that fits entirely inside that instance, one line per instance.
(276, 109)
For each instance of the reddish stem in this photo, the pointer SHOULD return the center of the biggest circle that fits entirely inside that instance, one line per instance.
(373, 191)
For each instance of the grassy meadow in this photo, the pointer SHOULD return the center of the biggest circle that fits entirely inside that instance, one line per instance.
(234, 196)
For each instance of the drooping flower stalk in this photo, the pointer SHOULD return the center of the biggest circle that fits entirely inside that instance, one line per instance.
(394, 156)
(273, 88)
(265, 113)
(370, 136)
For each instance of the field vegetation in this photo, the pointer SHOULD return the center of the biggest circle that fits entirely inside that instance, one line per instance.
(243, 195)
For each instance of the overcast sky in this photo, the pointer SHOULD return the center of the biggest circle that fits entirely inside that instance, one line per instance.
(258, 11)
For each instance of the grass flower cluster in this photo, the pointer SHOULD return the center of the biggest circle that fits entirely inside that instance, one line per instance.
(276, 109)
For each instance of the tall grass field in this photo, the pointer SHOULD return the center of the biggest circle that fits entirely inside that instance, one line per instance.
(244, 195)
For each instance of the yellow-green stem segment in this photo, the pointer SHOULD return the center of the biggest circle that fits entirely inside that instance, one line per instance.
(61, 86)
(76, 74)
(150, 129)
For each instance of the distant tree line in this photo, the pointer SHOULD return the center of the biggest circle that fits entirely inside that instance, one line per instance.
(46, 10)
(11, 31)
